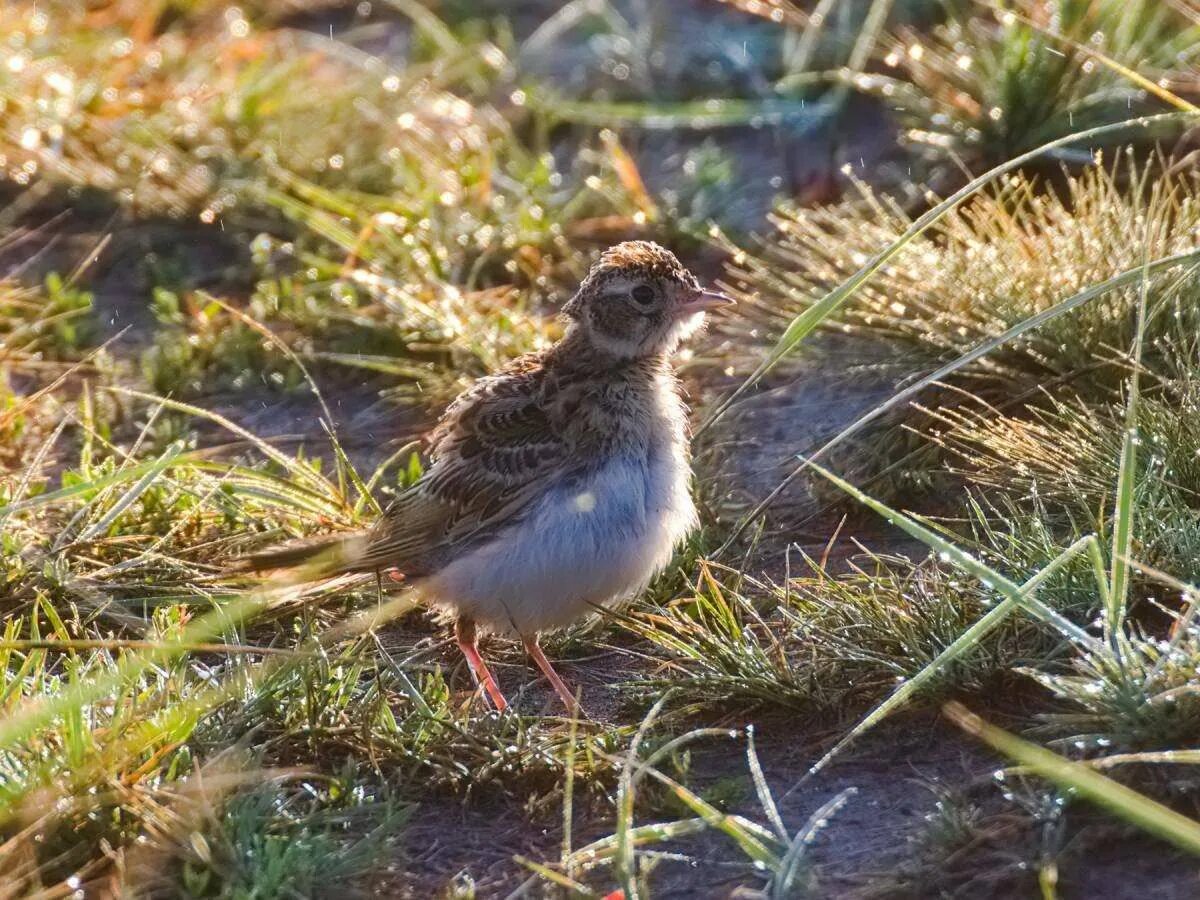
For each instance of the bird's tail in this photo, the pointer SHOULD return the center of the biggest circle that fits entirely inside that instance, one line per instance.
(308, 558)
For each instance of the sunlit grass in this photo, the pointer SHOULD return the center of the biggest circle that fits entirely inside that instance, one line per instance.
(991, 83)
(405, 226)
(106, 582)
(999, 259)
(825, 643)
(1001, 298)
(165, 727)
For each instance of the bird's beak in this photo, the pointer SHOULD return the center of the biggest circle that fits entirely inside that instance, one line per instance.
(703, 301)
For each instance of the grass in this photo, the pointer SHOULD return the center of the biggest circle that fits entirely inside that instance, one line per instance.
(422, 245)
(985, 267)
(823, 643)
(168, 729)
(298, 838)
(991, 266)
(429, 245)
(994, 81)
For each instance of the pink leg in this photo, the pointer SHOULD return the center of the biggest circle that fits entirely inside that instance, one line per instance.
(560, 687)
(464, 634)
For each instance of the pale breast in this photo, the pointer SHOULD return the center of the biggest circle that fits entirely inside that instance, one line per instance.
(588, 542)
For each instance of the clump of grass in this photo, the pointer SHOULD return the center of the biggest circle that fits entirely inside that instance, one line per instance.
(983, 88)
(1057, 471)
(984, 268)
(827, 643)
(1055, 468)
(420, 731)
(291, 839)
(1121, 642)
(1137, 696)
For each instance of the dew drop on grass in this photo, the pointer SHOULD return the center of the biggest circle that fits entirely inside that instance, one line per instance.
(31, 138)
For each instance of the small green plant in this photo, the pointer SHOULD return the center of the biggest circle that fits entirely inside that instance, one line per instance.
(52, 322)
(201, 347)
(284, 839)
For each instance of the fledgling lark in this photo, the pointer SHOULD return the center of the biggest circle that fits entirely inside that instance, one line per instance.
(559, 485)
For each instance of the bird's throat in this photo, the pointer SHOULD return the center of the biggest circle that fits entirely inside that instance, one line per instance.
(579, 353)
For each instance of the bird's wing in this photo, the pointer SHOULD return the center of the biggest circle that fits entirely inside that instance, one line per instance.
(493, 452)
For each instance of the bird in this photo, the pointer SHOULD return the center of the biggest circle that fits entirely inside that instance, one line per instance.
(558, 486)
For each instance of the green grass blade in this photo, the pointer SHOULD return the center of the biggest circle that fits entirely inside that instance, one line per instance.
(343, 462)
(554, 877)
(1124, 512)
(136, 490)
(346, 466)
(799, 60)
(1124, 802)
(873, 24)
(765, 799)
(381, 470)
(623, 850)
(605, 849)
(783, 885)
(426, 21)
(753, 840)
(691, 114)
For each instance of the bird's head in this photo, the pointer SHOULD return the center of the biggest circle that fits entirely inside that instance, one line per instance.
(638, 301)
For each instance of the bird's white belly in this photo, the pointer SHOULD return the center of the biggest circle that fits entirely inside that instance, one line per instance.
(584, 544)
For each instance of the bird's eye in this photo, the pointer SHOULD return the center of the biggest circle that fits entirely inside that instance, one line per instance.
(643, 294)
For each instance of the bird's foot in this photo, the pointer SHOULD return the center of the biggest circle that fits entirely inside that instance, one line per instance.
(560, 687)
(481, 675)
